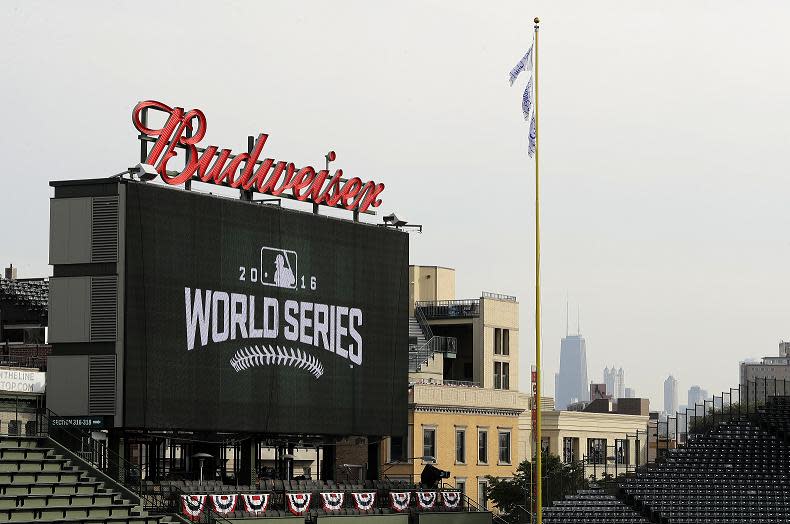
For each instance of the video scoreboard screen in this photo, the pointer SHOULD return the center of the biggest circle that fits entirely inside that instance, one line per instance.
(248, 317)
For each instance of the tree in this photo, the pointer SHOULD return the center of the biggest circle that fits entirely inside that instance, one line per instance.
(512, 494)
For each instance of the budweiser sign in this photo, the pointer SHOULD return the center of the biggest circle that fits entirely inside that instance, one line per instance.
(185, 129)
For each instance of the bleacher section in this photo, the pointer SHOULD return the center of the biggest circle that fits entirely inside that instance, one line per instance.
(591, 506)
(738, 472)
(28, 294)
(38, 485)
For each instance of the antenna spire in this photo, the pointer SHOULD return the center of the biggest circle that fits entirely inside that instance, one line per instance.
(567, 329)
(578, 320)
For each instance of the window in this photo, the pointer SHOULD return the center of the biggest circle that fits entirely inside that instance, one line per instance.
(504, 447)
(482, 446)
(501, 341)
(13, 427)
(570, 445)
(596, 450)
(501, 375)
(545, 444)
(429, 442)
(396, 449)
(30, 428)
(621, 451)
(460, 484)
(482, 493)
(460, 446)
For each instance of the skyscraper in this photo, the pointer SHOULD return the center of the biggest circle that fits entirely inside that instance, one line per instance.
(615, 382)
(630, 393)
(670, 395)
(696, 396)
(570, 384)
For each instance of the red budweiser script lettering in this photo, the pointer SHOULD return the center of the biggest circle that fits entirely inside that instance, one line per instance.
(220, 166)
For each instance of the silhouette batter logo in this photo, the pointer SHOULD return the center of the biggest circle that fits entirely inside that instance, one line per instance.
(279, 267)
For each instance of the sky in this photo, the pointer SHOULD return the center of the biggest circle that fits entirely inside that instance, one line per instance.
(664, 134)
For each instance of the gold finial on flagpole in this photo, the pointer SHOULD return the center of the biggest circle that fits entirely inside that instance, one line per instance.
(537, 20)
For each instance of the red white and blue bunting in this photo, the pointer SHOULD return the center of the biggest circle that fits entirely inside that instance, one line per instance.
(224, 504)
(451, 498)
(255, 503)
(426, 499)
(192, 505)
(332, 500)
(364, 501)
(399, 500)
(298, 503)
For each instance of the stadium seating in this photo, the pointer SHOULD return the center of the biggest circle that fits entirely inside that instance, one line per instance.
(591, 506)
(737, 472)
(37, 485)
(30, 294)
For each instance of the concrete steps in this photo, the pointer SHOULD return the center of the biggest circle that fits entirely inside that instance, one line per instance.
(37, 485)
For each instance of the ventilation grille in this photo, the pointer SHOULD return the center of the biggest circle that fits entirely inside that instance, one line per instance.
(104, 309)
(104, 229)
(101, 388)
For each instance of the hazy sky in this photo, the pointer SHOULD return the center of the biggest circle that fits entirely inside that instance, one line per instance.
(664, 127)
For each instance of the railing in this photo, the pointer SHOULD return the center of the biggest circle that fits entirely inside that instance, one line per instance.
(25, 355)
(461, 383)
(746, 401)
(97, 454)
(450, 308)
(637, 451)
(427, 351)
(422, 353)
(427, 332)
(499, 296)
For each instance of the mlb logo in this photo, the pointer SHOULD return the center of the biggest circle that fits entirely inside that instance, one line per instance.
(278, 267)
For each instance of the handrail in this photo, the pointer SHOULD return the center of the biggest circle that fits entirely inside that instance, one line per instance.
(97, 454)
(468, 308)
(423, 322)
(499, 296)
(428, 350)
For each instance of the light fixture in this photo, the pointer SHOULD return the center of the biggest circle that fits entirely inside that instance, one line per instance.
(144, 172)
(392, 220)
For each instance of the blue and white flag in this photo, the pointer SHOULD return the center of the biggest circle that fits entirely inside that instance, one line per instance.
(525, 64)
(526, 100)
(532, 137)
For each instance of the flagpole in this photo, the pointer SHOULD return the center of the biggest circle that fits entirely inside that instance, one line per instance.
(538, 424)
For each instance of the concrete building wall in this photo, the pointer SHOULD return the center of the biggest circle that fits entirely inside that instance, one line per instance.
(430, 283)
(580, 425)
(445, 410)
(501, 314)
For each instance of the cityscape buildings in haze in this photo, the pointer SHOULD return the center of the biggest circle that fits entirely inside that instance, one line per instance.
(570, 384)
(696, 395)
(630, 393)
(615, 382)
(670, 395)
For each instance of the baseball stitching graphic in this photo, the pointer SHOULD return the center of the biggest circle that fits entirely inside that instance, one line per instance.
(252, 356)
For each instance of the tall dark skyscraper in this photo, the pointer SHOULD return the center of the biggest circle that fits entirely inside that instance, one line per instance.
(570, 384)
